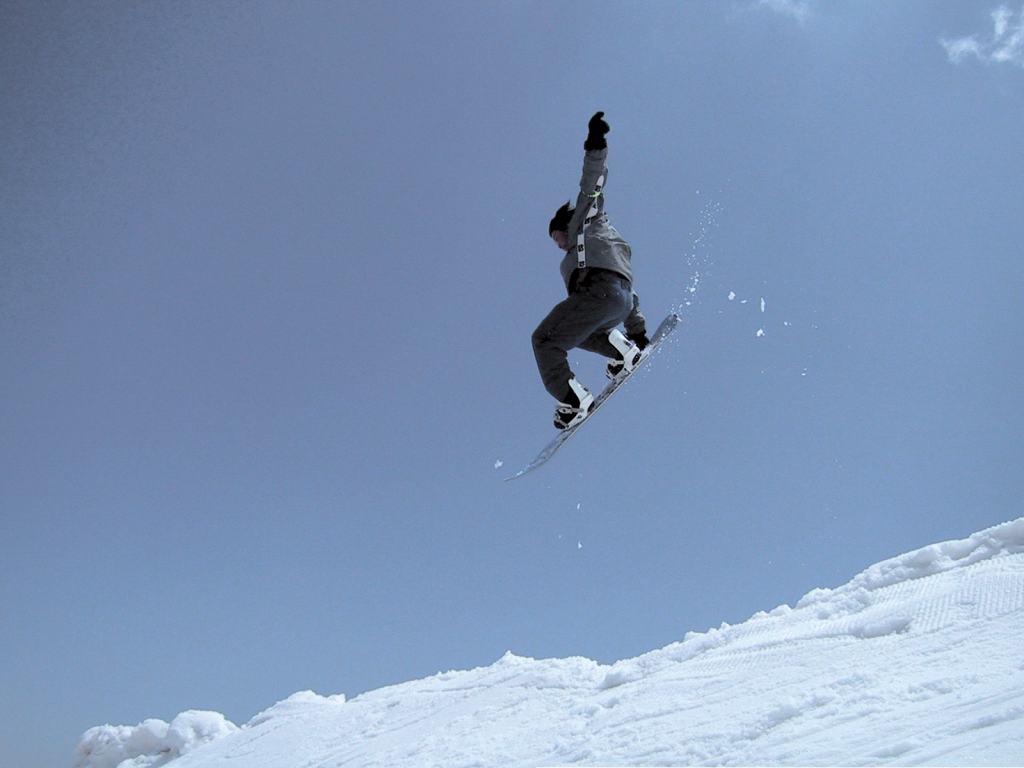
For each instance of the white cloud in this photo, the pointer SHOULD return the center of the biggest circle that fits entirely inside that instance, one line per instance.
(798, 9)
(1004, 44)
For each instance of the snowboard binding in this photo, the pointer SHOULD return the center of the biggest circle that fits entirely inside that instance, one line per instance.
(576, 408)
(630, 352)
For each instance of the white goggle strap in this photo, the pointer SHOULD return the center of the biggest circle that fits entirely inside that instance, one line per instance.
(581, 248)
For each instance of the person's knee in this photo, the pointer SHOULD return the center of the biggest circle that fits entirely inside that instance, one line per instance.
(540, 338)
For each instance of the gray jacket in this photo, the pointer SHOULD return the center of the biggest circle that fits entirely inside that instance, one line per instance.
(605, 247)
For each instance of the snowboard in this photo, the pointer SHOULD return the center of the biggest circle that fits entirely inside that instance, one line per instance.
(664, 330)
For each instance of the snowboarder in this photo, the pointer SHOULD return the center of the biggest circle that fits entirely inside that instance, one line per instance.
(599, 278)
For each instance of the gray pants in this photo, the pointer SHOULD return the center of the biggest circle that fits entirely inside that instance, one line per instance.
(583, 320)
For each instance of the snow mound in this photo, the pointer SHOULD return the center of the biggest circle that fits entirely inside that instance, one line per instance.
(1004, 539)
(870, 605)
(152, 742)
(296, 706)
(915, 661)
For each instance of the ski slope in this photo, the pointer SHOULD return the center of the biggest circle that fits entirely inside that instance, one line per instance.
(918, 660)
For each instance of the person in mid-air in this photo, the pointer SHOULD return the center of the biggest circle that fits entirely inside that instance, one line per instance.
(599, 278)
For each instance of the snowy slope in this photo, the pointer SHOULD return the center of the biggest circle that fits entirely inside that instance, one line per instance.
(919, 660)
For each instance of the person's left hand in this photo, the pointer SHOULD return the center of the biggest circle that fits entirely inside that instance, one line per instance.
(597, 129)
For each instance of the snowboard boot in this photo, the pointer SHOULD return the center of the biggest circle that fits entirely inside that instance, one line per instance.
(576, 406)
(629, 351)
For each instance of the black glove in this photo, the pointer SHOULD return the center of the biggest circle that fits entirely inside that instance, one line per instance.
(640, 339)
(597, 128)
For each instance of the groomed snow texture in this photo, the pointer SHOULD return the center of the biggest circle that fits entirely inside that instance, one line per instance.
(919, 660)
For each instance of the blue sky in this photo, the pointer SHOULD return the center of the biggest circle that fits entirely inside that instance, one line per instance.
(268, 277)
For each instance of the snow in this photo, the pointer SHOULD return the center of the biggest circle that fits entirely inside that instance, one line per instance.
(152, 742)
(915, 661)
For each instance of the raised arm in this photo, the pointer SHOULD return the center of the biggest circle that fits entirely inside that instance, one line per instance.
(595, 173)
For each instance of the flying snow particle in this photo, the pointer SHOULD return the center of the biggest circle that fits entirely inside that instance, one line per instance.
(579, 545)
(762, 303)
(498, 463)
(760, 332)
(732, 295)
(577, 506)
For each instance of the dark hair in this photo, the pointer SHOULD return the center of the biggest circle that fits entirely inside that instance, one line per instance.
(560, 221)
